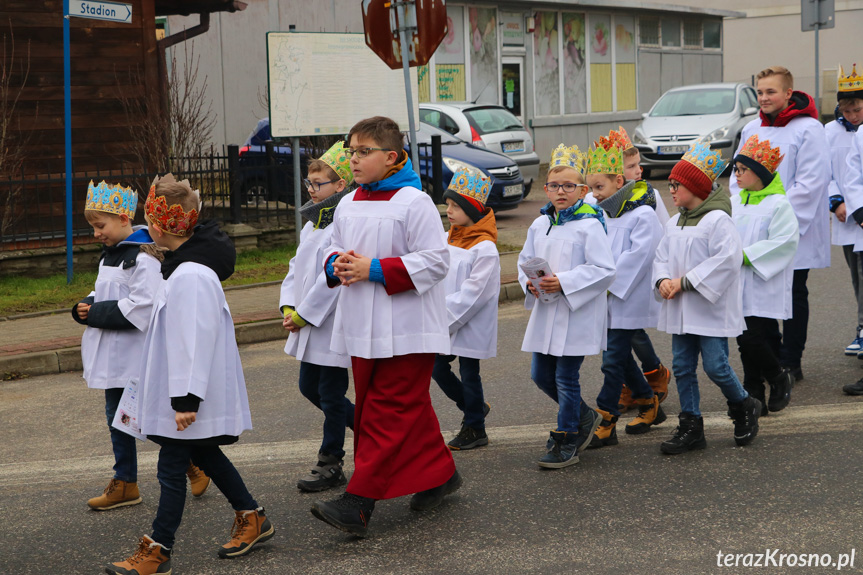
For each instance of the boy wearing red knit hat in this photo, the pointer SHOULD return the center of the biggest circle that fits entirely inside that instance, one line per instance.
(697, 274)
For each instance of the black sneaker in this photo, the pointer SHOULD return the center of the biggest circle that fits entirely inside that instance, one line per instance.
(325, 475)
(797, 372)
(347, 512)
(745, 415)
(486, 408)
(562, 450)
(468, 438)
(855, 388)
(688, 436)
(431, 498)
(587, 424)
(780, 392)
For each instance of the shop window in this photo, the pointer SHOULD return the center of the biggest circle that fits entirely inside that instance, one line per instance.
(483, 55)
(648, 31)
(713, 34)
(692, 33)
(546, 58)
(600, 63)
(424, 81)
(624, 67)
(574, 66)
(450, 83)
(670, 32)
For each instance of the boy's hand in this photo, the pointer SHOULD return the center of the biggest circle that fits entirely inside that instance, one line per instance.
(532, 289)
(550, 284)
(184, 419)
(289, 325)
(83, 309)
(669, 288)
(841, 212)
(351, 267)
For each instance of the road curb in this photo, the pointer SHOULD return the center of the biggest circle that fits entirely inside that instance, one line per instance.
(69, 358)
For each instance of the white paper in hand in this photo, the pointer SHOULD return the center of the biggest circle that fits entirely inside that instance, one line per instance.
(536, 269)
(127, 418)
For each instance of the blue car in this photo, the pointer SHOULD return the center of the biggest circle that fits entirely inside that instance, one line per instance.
(506, 193)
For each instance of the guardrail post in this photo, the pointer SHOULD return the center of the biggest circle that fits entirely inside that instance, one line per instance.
(234, 174)
(437, 168)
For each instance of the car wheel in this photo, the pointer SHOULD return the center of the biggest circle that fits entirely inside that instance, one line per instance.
(254, 192)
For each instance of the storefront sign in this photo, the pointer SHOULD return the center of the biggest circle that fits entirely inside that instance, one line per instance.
(512, 29)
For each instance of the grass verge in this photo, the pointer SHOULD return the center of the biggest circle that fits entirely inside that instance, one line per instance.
(25, 295)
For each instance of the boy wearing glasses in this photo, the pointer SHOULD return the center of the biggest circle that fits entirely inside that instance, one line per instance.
(696, 272)
(769, 233)
(790, 120)
(308, 307)
(569, 235)
(634, 232)
(389, 255)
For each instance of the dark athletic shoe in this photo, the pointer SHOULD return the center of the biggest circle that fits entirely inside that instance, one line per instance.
(431, 498)
(468, 438)
(347, 512)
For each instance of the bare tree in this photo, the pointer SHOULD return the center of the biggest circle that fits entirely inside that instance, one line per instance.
(13, 79)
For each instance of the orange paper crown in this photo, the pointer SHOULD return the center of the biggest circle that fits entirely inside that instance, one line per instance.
(619, 139)
(172, 220)
(761, 152)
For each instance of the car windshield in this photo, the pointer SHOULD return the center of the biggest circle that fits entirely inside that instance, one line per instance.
(695, 102)
(491, 120)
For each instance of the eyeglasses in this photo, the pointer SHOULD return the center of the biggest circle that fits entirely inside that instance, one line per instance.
(739, 171)
(673, 186)
(364, 152)
(316, 186)
(568, 188)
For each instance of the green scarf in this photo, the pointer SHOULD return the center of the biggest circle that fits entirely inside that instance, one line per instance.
(775, 187)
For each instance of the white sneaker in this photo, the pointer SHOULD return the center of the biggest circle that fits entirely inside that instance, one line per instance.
(856, 346)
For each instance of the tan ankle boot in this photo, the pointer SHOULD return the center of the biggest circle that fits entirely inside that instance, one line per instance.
(198, 479)
(118, 494)
(606, 433)
(658, 381)
(250, 528)
(626, 402)
(150, 558)
(649, 414)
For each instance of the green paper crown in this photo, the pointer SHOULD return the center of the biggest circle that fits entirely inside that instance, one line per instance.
(338, 159)
(605, 161)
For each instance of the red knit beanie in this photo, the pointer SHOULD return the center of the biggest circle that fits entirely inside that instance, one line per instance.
(694, 179)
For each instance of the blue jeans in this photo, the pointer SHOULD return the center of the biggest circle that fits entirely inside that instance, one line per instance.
(325, 387)
(171, 471)
(557, 377)
(714, 357)
(123, 444)
(467, 393)
(643, 349)
(619, 367)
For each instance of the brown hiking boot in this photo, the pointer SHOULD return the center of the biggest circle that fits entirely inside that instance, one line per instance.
(658, 381)
(198, 479)
(150, 558)
(649, 414)
(117, 494)
(626, 402)
(250, 528)
(606, 433)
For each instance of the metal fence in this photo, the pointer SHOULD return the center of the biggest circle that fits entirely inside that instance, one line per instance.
(251, 186)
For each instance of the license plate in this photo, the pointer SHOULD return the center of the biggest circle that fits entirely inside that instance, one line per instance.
(513, 146)
(673, 149)
(510, 191)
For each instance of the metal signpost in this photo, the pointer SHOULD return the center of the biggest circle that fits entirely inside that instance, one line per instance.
(113, 12)
(817, 15)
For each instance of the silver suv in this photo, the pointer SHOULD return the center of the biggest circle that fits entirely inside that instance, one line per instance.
(716, 112)
(491, 127)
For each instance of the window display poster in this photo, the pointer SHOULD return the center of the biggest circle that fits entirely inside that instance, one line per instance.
(483, 55)
(600, 63)
(451, 49)
(546, 60)
(574, 67)
(424, 88)
(624, 53)
(450, 82)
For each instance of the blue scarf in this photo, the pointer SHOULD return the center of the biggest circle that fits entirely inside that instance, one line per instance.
(578, 211)
(404, 177)
(849, 127)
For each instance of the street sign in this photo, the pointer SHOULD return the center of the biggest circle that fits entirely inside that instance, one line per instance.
(425, 19)
(820, 13)
(110, 11)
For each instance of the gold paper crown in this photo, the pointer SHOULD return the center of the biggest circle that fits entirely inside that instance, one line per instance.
(761, 152)
(472, 184)
(710, 162)
(605, 158)
(338, 159)
(569, 157)
(850, 83)
(111, 199)
(173, 220)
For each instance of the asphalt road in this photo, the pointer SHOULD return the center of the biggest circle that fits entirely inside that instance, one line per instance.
(623, 509)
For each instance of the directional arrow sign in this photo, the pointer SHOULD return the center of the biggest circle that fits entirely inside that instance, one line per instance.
(111, 11)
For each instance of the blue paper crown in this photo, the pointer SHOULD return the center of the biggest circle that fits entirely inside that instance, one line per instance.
(111, 199)
(471, 183)
(709, 161)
